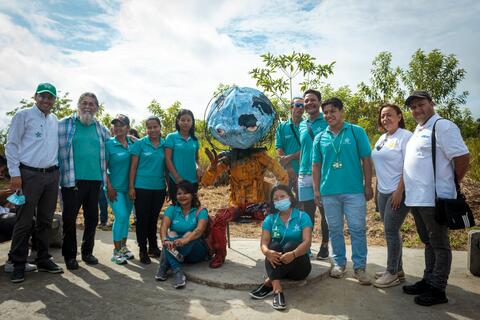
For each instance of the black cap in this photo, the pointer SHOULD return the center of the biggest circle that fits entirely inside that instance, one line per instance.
(417, 94)
(123, 119)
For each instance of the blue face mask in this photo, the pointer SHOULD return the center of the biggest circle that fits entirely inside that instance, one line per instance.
(17, 198)
(283, 204)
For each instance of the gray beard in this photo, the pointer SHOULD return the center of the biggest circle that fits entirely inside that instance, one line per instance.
(86, 118)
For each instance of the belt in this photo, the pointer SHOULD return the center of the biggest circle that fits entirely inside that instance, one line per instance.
(50, 169)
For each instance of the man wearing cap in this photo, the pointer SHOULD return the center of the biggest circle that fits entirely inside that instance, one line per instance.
(421, 182)
(82, 170)
(287, 142)
(31, 150)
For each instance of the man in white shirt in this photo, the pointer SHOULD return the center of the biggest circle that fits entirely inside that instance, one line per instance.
(32, 158)
(452, 159)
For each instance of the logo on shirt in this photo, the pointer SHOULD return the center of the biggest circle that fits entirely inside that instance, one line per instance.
(296, 228)
(147, 153)
(38, 134)
(346, 141)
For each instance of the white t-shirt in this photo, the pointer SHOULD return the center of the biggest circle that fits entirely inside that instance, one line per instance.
(418, 166)
(388, 160)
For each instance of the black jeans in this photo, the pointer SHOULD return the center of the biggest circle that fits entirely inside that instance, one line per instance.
(310, 208)
(41, 191)
(84, 195)
(148, 204)
(298, 269)
(172, 189)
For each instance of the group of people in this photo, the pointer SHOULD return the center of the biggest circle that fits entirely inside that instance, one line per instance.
(329, 166)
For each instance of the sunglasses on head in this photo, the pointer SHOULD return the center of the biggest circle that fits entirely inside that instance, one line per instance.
(297, 105)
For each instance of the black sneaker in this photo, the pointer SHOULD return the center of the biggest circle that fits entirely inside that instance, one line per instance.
(18, 275)
(144, 258)
(431, 297)
(49, 266)
(71, 264)
(154, 252)
(323, 252)
(261, 292)
(89, 259)
(279, 301)
(417, 288)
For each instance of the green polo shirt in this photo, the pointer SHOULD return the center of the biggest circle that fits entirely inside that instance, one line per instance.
(86, 152)
(352, 144)
(118, 158)
(184, 153)
(287, 138)
(306, 141)
(151, 164)
(181, 223)
(290, 232)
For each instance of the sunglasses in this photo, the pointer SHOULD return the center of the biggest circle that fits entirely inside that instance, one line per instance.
(380, 146)
(297, 105)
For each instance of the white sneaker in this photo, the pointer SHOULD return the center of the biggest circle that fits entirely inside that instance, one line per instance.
(387, 280)
(337, 272)
(400, 274)
(28, 267)
(362, 277)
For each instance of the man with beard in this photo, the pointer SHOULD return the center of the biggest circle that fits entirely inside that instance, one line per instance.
(82, 171)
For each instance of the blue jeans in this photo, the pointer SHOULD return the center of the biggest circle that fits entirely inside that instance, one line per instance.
(193, 252)
(353, 207)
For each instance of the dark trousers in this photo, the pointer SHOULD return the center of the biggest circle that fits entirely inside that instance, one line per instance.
(172, 189)
(310, 208)
(148, 204)
(438, 254)
(84, 195)
(103, 204)
(40, 190)
(298, 269)
(7, 223)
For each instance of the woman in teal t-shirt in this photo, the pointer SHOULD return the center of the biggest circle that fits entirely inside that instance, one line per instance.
(286, 239)
(181, 153)
(182, 228)
(147, 187)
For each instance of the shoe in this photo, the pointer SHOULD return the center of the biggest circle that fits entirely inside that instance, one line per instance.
(18, 275)
(431, 297)
(180, 280)
(144, 258)
(337, 272)
(362, 277)
(323, 252)
(104, 226)
(29, 267)
(417, 288)
(387, 280)
(71, 264)
(154, 252)
(279, 302)
(127, 253)
(162, 268)
(118, 257)
(261, 292)
(400, 274)
(90, 259)
(49, 266)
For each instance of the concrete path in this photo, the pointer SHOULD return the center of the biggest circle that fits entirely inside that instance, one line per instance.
(109, 291)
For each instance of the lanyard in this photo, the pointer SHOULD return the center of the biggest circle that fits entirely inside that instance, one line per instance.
(286, 226)
(337, 152)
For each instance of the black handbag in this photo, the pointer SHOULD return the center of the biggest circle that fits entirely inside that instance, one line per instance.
(455, 213)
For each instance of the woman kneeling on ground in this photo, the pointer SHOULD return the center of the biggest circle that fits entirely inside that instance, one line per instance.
(182, 228)
(286, 239)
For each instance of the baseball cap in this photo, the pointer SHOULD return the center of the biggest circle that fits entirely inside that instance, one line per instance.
(46, 87)
(417, 94)
(123, 119)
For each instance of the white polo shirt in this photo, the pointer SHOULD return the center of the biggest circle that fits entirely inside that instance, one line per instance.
(418, 166)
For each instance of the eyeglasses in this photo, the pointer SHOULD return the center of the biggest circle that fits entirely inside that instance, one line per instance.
(297, 105)
(380, 146)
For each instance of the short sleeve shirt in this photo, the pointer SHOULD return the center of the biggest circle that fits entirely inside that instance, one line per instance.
(184, 153)
(287, 138)
(318, 125)
(86, 152)
(118, 158)
(151, 164)
(388, 155)
(418, 166)
(342, 171)
(292, 231)
(181, 223)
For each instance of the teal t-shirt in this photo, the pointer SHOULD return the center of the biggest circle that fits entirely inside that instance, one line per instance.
(181, 223)
(292, 231)
(151, 164)
(344, 174)
(86, 152)
(183, 155)
(287, 138)
(318, 125)
(118, 158)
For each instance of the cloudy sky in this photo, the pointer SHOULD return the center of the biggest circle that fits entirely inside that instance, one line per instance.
(130, 52)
